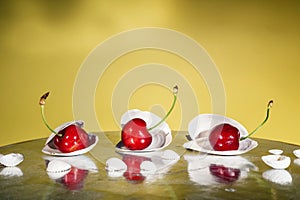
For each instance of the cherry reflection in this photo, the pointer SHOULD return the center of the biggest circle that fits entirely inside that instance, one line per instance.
(137, 168)
(133, 173)
(73, 177)
(213, 170)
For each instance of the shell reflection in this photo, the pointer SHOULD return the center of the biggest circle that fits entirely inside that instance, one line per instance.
(212, 170)
(278, 176)
(70, 171)
(137, 168)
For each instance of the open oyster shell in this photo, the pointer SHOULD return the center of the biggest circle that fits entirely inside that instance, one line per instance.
(199, 131)
(51, 150)
(161, 135)
(277, 161)
(11, 160)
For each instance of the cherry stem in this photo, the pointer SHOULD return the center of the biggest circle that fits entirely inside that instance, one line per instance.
(266, 119)
(42, 105)
(175, 91)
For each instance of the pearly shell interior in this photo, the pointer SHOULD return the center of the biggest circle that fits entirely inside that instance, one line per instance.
(202, 123)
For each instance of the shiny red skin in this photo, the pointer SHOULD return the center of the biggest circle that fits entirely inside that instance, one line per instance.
(135, 135)
(133, 172)
(74, 180)
(73, 138)
(224, 137)
(225, 174)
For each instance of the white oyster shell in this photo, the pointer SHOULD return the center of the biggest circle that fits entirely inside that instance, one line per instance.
(278, 176)
(161, 135)
(297, 161)
(57, 169)
(199, 132)
(11, 171)
(277, 161)
(115, 167)
(50, 150)
(11, 160)
(297, 153)
(275, 151)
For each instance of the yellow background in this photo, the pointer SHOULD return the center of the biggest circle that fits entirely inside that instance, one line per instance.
(254, 44)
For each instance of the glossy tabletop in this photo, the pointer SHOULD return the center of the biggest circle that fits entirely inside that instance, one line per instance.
(194, 175)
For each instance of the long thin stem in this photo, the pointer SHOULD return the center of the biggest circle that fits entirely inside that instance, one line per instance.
(45, 122)
(266, 119)
(175, 91)
(42, 103)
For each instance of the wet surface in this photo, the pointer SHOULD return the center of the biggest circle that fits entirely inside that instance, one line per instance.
(191, 175)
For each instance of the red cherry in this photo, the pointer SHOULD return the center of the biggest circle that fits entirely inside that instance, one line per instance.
(224, 137)
(225, 174)
(135, 135)
(71, 138)
(75, 178)
(133, 172)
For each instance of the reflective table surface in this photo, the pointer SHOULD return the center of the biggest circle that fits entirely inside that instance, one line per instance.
(157, 175)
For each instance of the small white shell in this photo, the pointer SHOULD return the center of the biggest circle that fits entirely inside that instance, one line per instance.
(11, 171)
(277, 161)
(297, 153)
(115, 167)
(297, 161)
(80, 162)
(161, 135)
(278, 176)
(57, 169)
(275, 151)
(12, 159)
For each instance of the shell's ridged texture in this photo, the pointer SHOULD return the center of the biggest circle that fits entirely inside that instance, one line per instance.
(11, 160)
(278, 176)
(57, 169)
